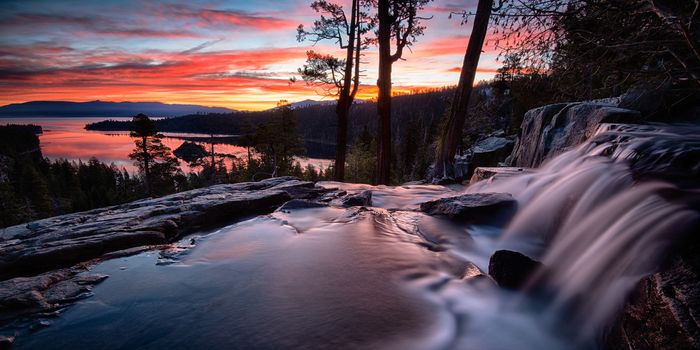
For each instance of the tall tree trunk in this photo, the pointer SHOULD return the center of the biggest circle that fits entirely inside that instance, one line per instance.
(146, 164)
(346, 96)
(384, 95)
(212, 150)
(341, 140)
(452, 134)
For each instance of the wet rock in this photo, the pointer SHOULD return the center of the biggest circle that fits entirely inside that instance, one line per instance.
(300, 204)
(332, 194)
(550, 130)
(65, 240)
(473, 207)
(483, 173)
(662, 312)
(362, 199)
(511, 269)
(471, 271)
(45, 292)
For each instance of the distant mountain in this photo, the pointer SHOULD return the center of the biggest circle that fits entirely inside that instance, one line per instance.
(309, 102)
(104, 109)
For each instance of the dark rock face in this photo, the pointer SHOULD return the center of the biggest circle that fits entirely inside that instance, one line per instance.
(65, 240)
(511, 269)
(362, 199)
(663, 312)
(550, 130)
(473, 207)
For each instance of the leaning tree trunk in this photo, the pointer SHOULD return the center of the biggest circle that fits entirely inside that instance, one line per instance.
(452, 134)
(346, 97)
(384, 95)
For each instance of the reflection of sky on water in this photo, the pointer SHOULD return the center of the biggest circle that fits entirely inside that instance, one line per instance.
(66, 138)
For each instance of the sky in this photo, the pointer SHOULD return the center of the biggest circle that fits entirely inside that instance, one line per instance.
(235, 54)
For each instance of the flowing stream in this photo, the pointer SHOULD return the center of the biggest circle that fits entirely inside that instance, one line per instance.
(390, 277)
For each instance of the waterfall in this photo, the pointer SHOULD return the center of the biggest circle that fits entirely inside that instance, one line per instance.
(600, 218)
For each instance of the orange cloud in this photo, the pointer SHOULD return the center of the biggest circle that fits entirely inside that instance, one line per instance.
(478, 70)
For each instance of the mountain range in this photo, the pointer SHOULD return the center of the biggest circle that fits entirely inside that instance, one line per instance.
(104, 109)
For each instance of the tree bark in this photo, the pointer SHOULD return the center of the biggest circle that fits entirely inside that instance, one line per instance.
(452, 134)
(384, 95)
(347, 94)
(341, 140)
(146, 165)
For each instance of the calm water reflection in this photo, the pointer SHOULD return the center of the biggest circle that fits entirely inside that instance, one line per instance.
(67, 138)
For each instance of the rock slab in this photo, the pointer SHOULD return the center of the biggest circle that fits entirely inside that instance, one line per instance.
(62, 241)
(472, 207)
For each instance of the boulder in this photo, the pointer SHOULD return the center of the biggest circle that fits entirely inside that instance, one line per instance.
(362, 199)
(472, 207)
(550, 130)
(69, 239)
(489, 151)
(511, 269)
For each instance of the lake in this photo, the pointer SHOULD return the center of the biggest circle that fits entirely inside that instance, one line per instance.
(67, 138)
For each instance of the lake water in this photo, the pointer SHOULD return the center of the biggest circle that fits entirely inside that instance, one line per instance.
(67, 138)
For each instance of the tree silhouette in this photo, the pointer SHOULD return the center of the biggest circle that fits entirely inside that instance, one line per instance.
(277, 141)
(398, 20)
(452, 134)
(152, 157)
(337, 77)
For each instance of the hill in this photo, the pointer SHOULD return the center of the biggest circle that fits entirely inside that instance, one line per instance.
(317, 120)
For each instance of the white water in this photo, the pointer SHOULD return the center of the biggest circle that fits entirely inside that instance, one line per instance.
(391, 277)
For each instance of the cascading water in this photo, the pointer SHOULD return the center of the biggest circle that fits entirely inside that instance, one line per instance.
(599, 218)
(595, 227)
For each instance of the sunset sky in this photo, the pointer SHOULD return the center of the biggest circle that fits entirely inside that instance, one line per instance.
(236, 54)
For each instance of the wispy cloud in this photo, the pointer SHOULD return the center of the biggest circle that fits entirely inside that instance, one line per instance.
(228, 18)
(201, 46)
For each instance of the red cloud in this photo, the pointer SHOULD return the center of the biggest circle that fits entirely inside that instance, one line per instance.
(214, 78)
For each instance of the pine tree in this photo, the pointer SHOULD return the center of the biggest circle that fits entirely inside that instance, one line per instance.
(153, 158)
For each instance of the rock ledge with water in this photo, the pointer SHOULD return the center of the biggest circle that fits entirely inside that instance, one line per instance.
(65, 240)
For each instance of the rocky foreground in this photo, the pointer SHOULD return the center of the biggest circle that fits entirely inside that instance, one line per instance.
(44, 265)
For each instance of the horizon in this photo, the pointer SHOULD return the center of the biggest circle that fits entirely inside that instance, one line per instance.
(231, 54)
